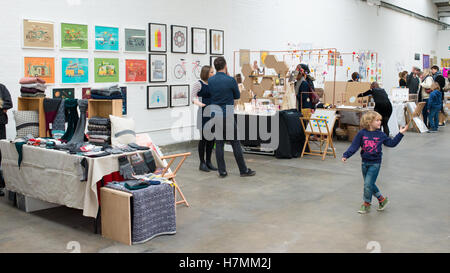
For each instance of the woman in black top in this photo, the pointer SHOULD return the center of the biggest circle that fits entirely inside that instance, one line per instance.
(5, 105)
(403, 76)
(382, 104)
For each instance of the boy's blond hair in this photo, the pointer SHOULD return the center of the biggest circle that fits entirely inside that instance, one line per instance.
(368, 118)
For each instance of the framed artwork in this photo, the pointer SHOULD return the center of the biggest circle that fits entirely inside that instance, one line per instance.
(135, 70)
(106, 69)
(74, 36)
(199, 40)
(157, 96)
(85, 95)
(123, 90)
(41, 67)
(106, 38)
(157, 67)
(135, 40)
(75, 70)
(180, 69)
(417, 57)
(157, 35)
(38, 34)
(426, 61)
(216, 41)
(179, 39)
(179, 95)
(64, 93)
(211, 60)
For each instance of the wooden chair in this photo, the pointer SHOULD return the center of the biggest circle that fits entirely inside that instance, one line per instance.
(325, 138)
(417, 112)
(167, 173)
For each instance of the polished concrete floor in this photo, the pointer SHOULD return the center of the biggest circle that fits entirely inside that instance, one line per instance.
(296, 205)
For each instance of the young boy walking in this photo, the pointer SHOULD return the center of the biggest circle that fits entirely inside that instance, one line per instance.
(434, 106)
(371, 139)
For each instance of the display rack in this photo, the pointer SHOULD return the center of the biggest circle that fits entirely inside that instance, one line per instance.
(34, 104)
(104, 108)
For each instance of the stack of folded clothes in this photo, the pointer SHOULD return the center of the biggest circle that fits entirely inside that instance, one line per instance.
(32, 87)
(109, 93)
(99, 131)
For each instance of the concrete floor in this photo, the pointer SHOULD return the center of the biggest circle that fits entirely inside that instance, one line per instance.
(297, 205)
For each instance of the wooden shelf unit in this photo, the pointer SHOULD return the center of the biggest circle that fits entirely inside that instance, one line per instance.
(34, 104)
(104, 108)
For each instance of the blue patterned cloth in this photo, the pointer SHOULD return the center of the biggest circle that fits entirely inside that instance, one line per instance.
(153, 211)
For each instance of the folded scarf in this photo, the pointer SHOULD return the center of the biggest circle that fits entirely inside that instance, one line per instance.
(93, 127)
(38, 86)
(112, 97)
(30, 90)
(51, 109)
(99, 121)
(28, 95)
(106, 138)
(100, 133)
(139, 165)
(28, 80)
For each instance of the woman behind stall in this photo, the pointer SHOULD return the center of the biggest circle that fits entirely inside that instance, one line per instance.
(303, 88)
(402, 82)
(200, 90)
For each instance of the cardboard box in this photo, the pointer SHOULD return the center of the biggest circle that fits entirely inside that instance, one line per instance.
(352, 131)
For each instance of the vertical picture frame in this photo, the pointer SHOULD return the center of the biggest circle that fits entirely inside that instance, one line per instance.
(157, 36)
(157, 96)
(179, 39)
(216, 42)
(199, 40)
(179, 95)
(157, 67)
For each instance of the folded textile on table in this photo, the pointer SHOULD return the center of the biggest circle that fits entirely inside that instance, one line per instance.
(29, 80)
(103, 137)
(30, 90)
(99, 121)
(99, 97)
(107, 92)
(38, 86)
(137, 147)
(51, 107)
(93, 127)
(153, 211)
(36, 95)
(102, 133)
(139, 165)
(98, 141)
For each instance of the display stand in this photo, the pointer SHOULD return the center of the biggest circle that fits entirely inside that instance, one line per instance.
(34, 104)
(414, 116)
(171, 175)
(104, 108)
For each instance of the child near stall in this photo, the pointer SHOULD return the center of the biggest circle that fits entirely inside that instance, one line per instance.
(434, 106)
(371, 139)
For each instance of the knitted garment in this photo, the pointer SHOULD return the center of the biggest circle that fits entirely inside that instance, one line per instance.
(107, 92)
(85, 167)
(98, 97)
(136, 185)
(78, 136)
(93, 127)
(30, 90)
(102, 137)
(38, 86)
(19, 149)
(125, 168)
(59, 123)
(29, 80)
(99, 121)
(51, 107)
(139, 165)
(71, 116)
(36, 95)
(150, 161)
(137, 147)
(99, 133)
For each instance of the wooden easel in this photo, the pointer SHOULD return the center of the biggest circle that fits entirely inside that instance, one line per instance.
(417, 113)
(325, 138)
(171, 175)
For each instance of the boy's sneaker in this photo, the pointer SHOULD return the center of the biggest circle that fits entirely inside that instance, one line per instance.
(364, 209)
(383, 204)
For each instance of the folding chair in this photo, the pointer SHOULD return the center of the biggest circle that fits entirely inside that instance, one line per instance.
(167, 173)
(417, 112)
(325, 138)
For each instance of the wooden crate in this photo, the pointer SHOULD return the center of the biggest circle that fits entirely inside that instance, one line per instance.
(104, 108)
(34, 104)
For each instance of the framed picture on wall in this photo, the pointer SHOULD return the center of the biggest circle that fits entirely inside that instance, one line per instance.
(135, 70)
(38, 34)
(106, 69)
(41, 67)
(179, 39)
(157, 96)
(157, 35)
(157, 67)
(216, 41)
(106, 38)
(64, 93)
(426, 61)
(75, 70)
(179, 95)
(199, 40)
(74, 36)
(135, 40)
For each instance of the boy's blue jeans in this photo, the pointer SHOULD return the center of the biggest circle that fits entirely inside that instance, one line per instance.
(434, 118)
(370, 173)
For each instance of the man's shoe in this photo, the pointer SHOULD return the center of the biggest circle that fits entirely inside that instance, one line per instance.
(248, 173)
(383, 204)
(211, 166)
(203, 167)
(223, 175)
(364, 209)
(2, 193)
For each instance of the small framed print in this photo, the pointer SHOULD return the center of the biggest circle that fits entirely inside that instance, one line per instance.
(216, 41)
(157, 96)
(179, 95)
(157, 67)
(179, 39)
(199, 40)
(211, 60)
(157, 35)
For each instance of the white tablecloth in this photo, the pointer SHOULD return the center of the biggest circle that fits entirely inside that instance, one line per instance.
(54, 176)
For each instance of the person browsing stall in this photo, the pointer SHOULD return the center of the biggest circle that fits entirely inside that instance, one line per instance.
(5, 105)
(434, 106)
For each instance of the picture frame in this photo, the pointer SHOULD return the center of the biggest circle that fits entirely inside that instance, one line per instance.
(106, 38)
(199, 40)
(74, 70)
(135, 40)
(157, 36)
(426, 61)
(216, 42)
(38, 34)
(179, 95)
(157, 96)
(43, 67)
(179, 39)
(106, 70)
(211, 60)
(135, 70)
(63, 93)
(157, 67)
(74, 36)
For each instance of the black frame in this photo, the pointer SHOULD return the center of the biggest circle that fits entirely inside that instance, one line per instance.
(150, 67)
(150, 37)
(171, 39)
(211, 42)
(167, 90)
(189, 95)
(192, 40)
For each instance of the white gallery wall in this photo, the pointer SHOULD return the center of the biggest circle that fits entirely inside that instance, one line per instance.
(348, 25)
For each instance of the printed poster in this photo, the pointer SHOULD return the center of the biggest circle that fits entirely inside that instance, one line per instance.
(136, 70)
(106, 69)
(75, 70)
(74, 36)
(38, 34)
(135, 40)
(40, 67)
(106, 38)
